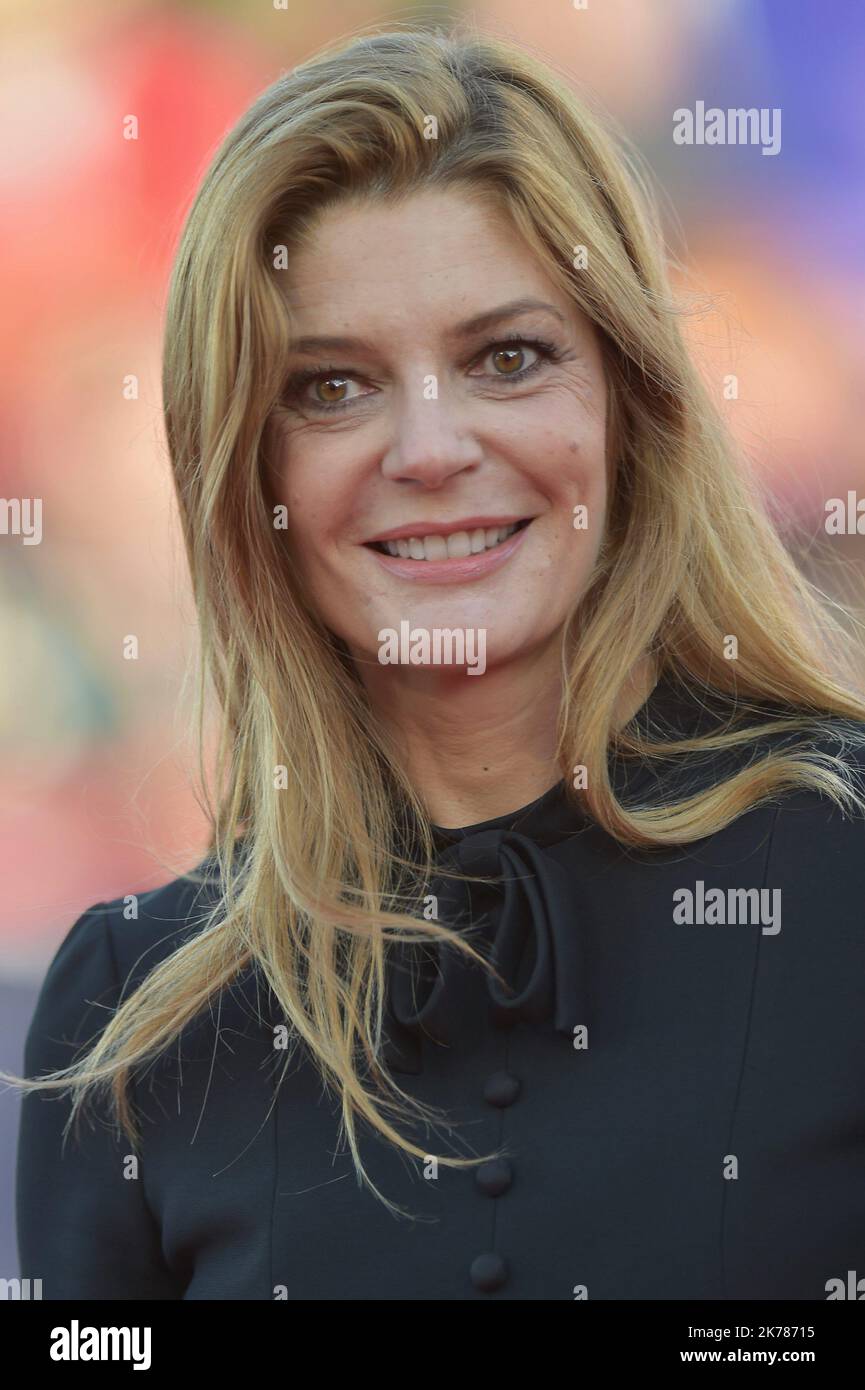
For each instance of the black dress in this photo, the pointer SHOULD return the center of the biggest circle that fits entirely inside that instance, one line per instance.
(681, 1101)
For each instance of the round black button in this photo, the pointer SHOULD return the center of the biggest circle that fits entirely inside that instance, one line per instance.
(501, 1089)
(494, 1177)
(488, 1272)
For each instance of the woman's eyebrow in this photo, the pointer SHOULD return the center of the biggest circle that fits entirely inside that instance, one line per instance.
(513, 309)
(476, 324)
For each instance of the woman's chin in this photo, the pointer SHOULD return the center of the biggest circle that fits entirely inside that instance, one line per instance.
(449, 642)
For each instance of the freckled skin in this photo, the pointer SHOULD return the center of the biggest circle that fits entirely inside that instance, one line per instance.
(401, 277)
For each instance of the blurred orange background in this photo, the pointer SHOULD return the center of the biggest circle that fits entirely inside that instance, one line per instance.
(95, 800)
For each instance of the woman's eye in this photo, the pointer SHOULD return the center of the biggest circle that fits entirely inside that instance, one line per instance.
(509, 360)
(327, 390)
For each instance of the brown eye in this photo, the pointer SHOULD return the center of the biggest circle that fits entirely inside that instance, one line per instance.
(329, 384)
(510, 359)
(506, 359)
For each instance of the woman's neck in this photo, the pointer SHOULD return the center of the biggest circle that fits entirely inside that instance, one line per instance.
(479, 747)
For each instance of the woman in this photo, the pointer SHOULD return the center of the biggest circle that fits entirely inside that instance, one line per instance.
(526, 958)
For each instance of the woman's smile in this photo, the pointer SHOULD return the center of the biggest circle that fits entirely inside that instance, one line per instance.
(449, 553)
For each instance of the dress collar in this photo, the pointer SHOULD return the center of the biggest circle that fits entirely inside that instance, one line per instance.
(529, 914)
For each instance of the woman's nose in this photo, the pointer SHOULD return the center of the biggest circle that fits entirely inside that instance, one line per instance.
(430, 442)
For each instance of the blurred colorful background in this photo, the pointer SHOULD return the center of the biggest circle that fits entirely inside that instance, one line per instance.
(95, 799)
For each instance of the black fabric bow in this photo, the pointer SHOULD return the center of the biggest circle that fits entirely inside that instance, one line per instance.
(534, 943)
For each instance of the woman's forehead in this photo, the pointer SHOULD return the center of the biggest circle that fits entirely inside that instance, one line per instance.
(430, 273)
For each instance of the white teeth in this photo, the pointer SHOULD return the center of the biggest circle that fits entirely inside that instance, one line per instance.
(479, 540)
(458, 545)
(435, 547)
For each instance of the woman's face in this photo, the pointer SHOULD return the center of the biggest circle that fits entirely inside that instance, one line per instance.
(452, 390)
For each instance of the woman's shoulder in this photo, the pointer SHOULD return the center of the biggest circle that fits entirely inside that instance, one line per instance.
(144, 928)
(836, 747)
(831, 746)
(108, 950)
(816, 846)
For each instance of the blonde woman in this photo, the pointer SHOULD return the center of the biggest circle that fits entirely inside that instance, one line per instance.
(526, 959)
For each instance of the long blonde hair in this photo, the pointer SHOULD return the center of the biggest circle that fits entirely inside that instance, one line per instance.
(313, 881)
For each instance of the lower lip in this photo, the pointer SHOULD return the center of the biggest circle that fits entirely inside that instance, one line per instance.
(454, 570)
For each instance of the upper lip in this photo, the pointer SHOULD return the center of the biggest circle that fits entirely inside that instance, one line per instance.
(444, 528)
